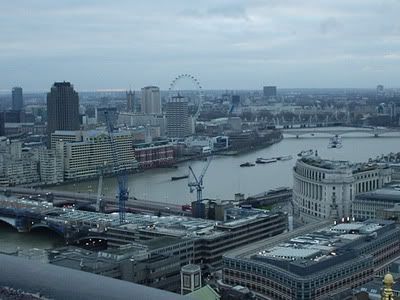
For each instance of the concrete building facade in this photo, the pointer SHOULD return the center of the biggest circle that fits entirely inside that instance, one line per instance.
(368, 205)
(18, 165)
(326, 189)
(52, 164)
(316, 263)
(85, 159)
(151, 100)
(177, 115)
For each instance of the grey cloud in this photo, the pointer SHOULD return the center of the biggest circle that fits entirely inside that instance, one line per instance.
(243, 43)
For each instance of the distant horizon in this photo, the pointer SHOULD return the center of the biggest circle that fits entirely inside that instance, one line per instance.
(118, 90)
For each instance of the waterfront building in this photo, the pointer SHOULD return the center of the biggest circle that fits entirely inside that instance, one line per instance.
(315, 261)
(326, 189)
(367, 205)
(62, 108)
(177, 115)
(86, 158)
(17, 103)
(52, 164)
(18, 164)
(65, 136)
(151, 100)
(154, 154)
(130, 101)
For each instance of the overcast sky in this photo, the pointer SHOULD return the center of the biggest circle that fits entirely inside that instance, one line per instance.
(226, 44)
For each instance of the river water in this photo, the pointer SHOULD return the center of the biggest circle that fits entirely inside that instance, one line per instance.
(223, 179)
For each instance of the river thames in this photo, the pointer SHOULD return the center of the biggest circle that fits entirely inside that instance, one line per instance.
(223, 179)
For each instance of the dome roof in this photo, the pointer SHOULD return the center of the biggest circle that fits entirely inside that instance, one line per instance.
(388, 279)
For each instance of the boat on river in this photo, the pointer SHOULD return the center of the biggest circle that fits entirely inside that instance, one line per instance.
(305, 153)
(247, 164)
(286, 157)
(173, 178)
(335, 142)
(261, 160)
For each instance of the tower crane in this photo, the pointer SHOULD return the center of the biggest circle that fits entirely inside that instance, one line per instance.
(197, 184)
(99, 190)
(123, 193)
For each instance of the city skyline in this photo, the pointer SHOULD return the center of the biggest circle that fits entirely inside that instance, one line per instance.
(226, 44)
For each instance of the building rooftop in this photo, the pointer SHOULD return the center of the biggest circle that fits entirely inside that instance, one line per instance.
(340, 165)
(312, 251)
(387, 194)
(180, 227)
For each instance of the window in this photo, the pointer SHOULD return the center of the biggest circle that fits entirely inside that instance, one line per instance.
(186, 281)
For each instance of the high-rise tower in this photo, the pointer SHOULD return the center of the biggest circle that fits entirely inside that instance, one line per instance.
(130, 101)
(17, 99)
(177, 115)
(269, 92)
(151, 100)
(62, 108)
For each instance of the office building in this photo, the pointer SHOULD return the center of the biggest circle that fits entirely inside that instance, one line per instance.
(17, 99)
(18, 164)
(138, 120)
(326, 189)
(317, 261)
(130, 101)
(62, 108)
(154, 154)
(14, 116)
(65, 136)
(177, 115)
(367, 205)
(211, 239)
(269, 92)
(52, 164)
(139, 263)
(151, 100)
(92, 154)
(390, 213)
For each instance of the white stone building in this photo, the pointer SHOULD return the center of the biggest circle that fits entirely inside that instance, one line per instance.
(85, 159)
(18, 165)
(326, 189)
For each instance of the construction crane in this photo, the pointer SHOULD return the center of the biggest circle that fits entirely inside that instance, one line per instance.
(123, 193)
(100, 187)
(197, 184)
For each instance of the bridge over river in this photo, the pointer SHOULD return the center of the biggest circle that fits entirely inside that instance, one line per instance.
(339, 131)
